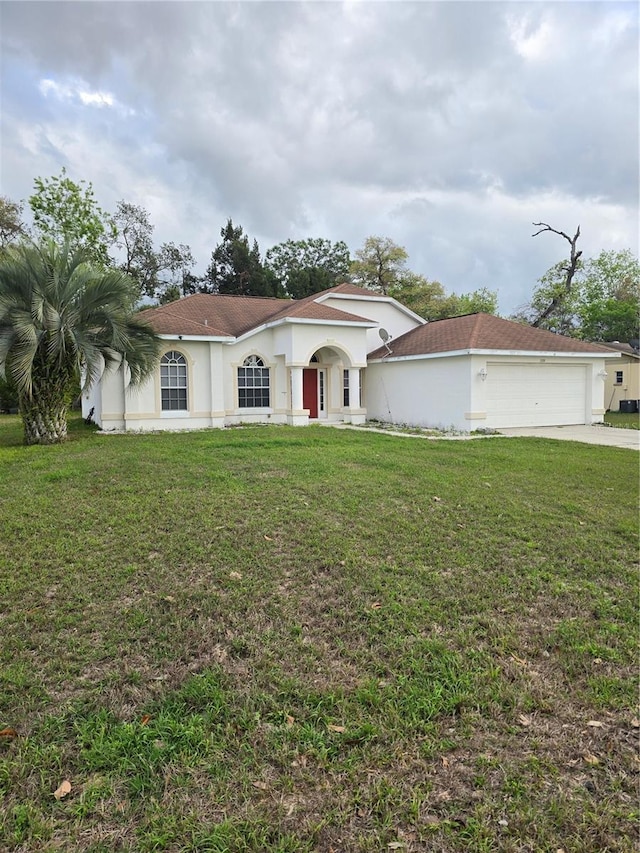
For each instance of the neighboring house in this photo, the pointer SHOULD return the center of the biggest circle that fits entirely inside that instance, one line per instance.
(623, 375)
(234, 359)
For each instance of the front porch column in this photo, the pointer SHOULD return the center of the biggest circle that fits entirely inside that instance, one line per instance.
(354, 387)
(358, 414)
(297, 416)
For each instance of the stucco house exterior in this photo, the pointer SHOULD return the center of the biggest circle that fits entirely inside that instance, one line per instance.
(623, 375)
(232, 359)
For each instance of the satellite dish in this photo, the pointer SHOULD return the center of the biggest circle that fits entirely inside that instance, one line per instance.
(383, 334)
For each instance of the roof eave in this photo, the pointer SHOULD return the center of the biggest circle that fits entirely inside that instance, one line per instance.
(488, 352)
(308, 321)
(176, 336)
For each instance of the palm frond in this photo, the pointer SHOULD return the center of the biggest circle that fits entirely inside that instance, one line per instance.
(59, 316)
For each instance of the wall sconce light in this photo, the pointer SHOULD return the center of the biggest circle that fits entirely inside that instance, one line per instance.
(603, 373)
(482, 373)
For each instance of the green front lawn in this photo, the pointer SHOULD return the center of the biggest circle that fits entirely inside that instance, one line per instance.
(276, 639)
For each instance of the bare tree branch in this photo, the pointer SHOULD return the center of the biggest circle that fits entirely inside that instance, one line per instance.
(569, 269)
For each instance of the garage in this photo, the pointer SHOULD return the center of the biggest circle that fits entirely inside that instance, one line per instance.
(480, 371)
(535, 394)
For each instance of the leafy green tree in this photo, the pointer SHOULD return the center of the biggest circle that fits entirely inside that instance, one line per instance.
(154, 271)
(174, 269)
(603, 303)
(609, 305)
(421, 295)
(12, 228)
(304, 267)
(481, 301)
(564, 289)
(552, 291)
(429, 299)
(61, 316)
(236, 267)
(67, 212)
(135, 242)
(380, 264)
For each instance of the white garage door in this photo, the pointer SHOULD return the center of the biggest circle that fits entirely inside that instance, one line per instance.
(535, 394)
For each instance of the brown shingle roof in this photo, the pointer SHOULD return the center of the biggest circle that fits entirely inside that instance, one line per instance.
(627, 349)
(352, 290)
(480, 332)
(217, 315)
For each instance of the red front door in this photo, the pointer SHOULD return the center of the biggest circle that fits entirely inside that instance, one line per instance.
(310, 392)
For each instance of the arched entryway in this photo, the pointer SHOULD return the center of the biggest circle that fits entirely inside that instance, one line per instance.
(314, 387)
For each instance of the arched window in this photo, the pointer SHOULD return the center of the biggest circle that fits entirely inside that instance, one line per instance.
(253, 384)
(173, 381)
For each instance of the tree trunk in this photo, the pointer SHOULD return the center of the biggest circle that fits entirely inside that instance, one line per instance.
(44, 416)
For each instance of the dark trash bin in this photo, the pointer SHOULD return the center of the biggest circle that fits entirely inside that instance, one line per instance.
(629, 407)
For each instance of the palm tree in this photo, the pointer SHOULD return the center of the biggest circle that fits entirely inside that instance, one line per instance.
(61, 319)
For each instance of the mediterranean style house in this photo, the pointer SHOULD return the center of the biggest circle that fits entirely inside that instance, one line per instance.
(348, 355)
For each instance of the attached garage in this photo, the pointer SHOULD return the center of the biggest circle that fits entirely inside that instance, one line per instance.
(547, 394)
(483, 372)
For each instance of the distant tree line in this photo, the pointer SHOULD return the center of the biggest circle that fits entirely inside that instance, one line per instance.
(65, 210)
(596, 298)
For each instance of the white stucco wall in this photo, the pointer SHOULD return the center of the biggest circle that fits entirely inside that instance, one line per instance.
(449, 392)
(212, 370)
(421, 392)
(388, 315)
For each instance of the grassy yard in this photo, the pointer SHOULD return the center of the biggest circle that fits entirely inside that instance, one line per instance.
(624, 420)
(275, 639)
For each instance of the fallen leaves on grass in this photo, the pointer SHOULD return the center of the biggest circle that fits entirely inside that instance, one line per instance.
(338, 729)
(145, 719)
(376, 605)
(262, 786)
(591, 759)
(524, 720)
(8, 733)
(236, 576)
(595, 724)
(62, 790)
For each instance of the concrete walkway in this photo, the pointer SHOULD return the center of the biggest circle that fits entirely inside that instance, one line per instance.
(609, 436)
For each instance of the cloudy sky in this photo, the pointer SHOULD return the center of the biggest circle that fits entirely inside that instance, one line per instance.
(448, 126)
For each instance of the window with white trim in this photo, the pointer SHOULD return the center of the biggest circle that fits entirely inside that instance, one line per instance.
(173, 381)
(345, 388)
(253, 384)
(619, 377)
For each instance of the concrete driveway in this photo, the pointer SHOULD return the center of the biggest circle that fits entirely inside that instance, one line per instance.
(609, 436)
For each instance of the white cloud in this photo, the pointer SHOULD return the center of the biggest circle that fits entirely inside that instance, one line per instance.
(77, 91)
(534, 40)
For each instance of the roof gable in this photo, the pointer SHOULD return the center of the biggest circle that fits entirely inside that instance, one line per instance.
(480, 332)
(222, 315)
